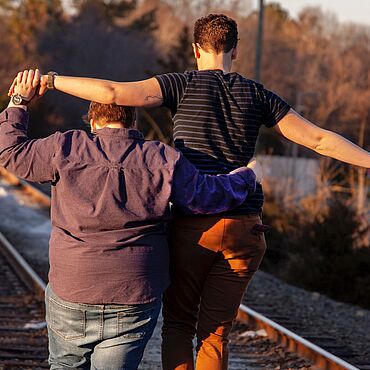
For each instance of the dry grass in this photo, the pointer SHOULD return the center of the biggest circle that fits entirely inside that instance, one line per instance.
(320, 243)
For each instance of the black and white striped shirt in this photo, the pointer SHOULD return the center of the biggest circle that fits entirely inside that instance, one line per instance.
(217, 117)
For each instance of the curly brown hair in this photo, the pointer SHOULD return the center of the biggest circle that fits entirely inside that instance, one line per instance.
(108, 113)
(216, 32)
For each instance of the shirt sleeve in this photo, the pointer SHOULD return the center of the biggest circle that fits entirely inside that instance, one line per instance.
(28, 159)
(274, 108)
(197, 193)
(173, 86)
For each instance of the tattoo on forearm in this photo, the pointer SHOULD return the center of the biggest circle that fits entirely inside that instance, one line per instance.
(153, 97)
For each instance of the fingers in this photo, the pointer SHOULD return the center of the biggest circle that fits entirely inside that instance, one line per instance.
(24, 77)
(256, 168)
(43, 84)
(19, 78)
(31, 75)
(11, 89)
(26, 83)
(36, 78)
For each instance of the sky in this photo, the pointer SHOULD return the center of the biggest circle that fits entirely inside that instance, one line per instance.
(357, 11)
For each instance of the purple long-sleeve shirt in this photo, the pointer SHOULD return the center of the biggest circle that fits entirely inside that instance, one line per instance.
(110, 205)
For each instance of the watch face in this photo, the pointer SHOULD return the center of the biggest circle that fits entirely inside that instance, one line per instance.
(17, 99)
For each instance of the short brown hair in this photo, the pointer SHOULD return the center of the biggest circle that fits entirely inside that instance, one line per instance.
(216, 32)
(108, 113)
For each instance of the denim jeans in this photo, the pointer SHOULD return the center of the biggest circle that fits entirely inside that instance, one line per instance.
(101, 337)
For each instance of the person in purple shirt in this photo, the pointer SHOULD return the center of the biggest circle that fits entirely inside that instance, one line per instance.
(111, 191)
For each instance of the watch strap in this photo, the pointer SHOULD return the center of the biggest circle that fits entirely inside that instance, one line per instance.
(51, 78)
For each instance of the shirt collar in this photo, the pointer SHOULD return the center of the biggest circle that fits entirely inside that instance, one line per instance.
(126, 133)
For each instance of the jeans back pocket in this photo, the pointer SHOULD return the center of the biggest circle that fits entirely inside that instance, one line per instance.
(65, 321)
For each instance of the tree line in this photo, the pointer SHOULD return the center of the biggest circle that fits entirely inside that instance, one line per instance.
(321, 67)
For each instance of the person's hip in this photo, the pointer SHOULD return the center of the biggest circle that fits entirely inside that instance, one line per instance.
(72, 321)
(231, 234)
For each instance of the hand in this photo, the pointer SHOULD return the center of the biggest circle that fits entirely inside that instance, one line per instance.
(256, 168)
(25, 84)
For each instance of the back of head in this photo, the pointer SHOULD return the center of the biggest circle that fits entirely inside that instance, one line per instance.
(216, 33)
(105, 114)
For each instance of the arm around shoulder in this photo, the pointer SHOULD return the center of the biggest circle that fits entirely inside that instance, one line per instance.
(197, 193)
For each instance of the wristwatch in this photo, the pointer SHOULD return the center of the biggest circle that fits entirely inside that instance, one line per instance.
(51, 78)
(18, 99)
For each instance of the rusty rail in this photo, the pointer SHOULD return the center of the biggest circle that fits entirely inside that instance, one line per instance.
(320, 358)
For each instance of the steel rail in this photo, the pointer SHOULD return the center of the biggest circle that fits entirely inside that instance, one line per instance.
(20, 265)
(320, 358)
(23, 269)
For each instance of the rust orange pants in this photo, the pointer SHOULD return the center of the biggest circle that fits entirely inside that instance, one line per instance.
(212, 261)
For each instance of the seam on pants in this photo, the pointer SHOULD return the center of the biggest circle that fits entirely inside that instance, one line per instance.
(101, 317)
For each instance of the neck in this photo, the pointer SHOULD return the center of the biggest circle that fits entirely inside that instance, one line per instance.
(215, 61)
(114, 125)
(96, 126)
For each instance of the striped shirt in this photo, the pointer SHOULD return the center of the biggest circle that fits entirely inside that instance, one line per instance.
(217, 117)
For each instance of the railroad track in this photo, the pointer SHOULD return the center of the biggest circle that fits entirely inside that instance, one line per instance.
(256, 341)
(23, 336)
(319, 357)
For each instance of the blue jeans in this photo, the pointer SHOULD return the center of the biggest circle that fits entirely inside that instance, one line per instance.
(101, 337)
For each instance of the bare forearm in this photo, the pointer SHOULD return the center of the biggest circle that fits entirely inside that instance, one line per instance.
(336, 146)
(101, 91)
(144, 93)
(327, 143)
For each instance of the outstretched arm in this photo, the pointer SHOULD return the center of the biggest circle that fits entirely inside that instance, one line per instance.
(301, 131)
(146, 93)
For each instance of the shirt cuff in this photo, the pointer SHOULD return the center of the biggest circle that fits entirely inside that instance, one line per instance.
(248, 176)
(15, 114)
